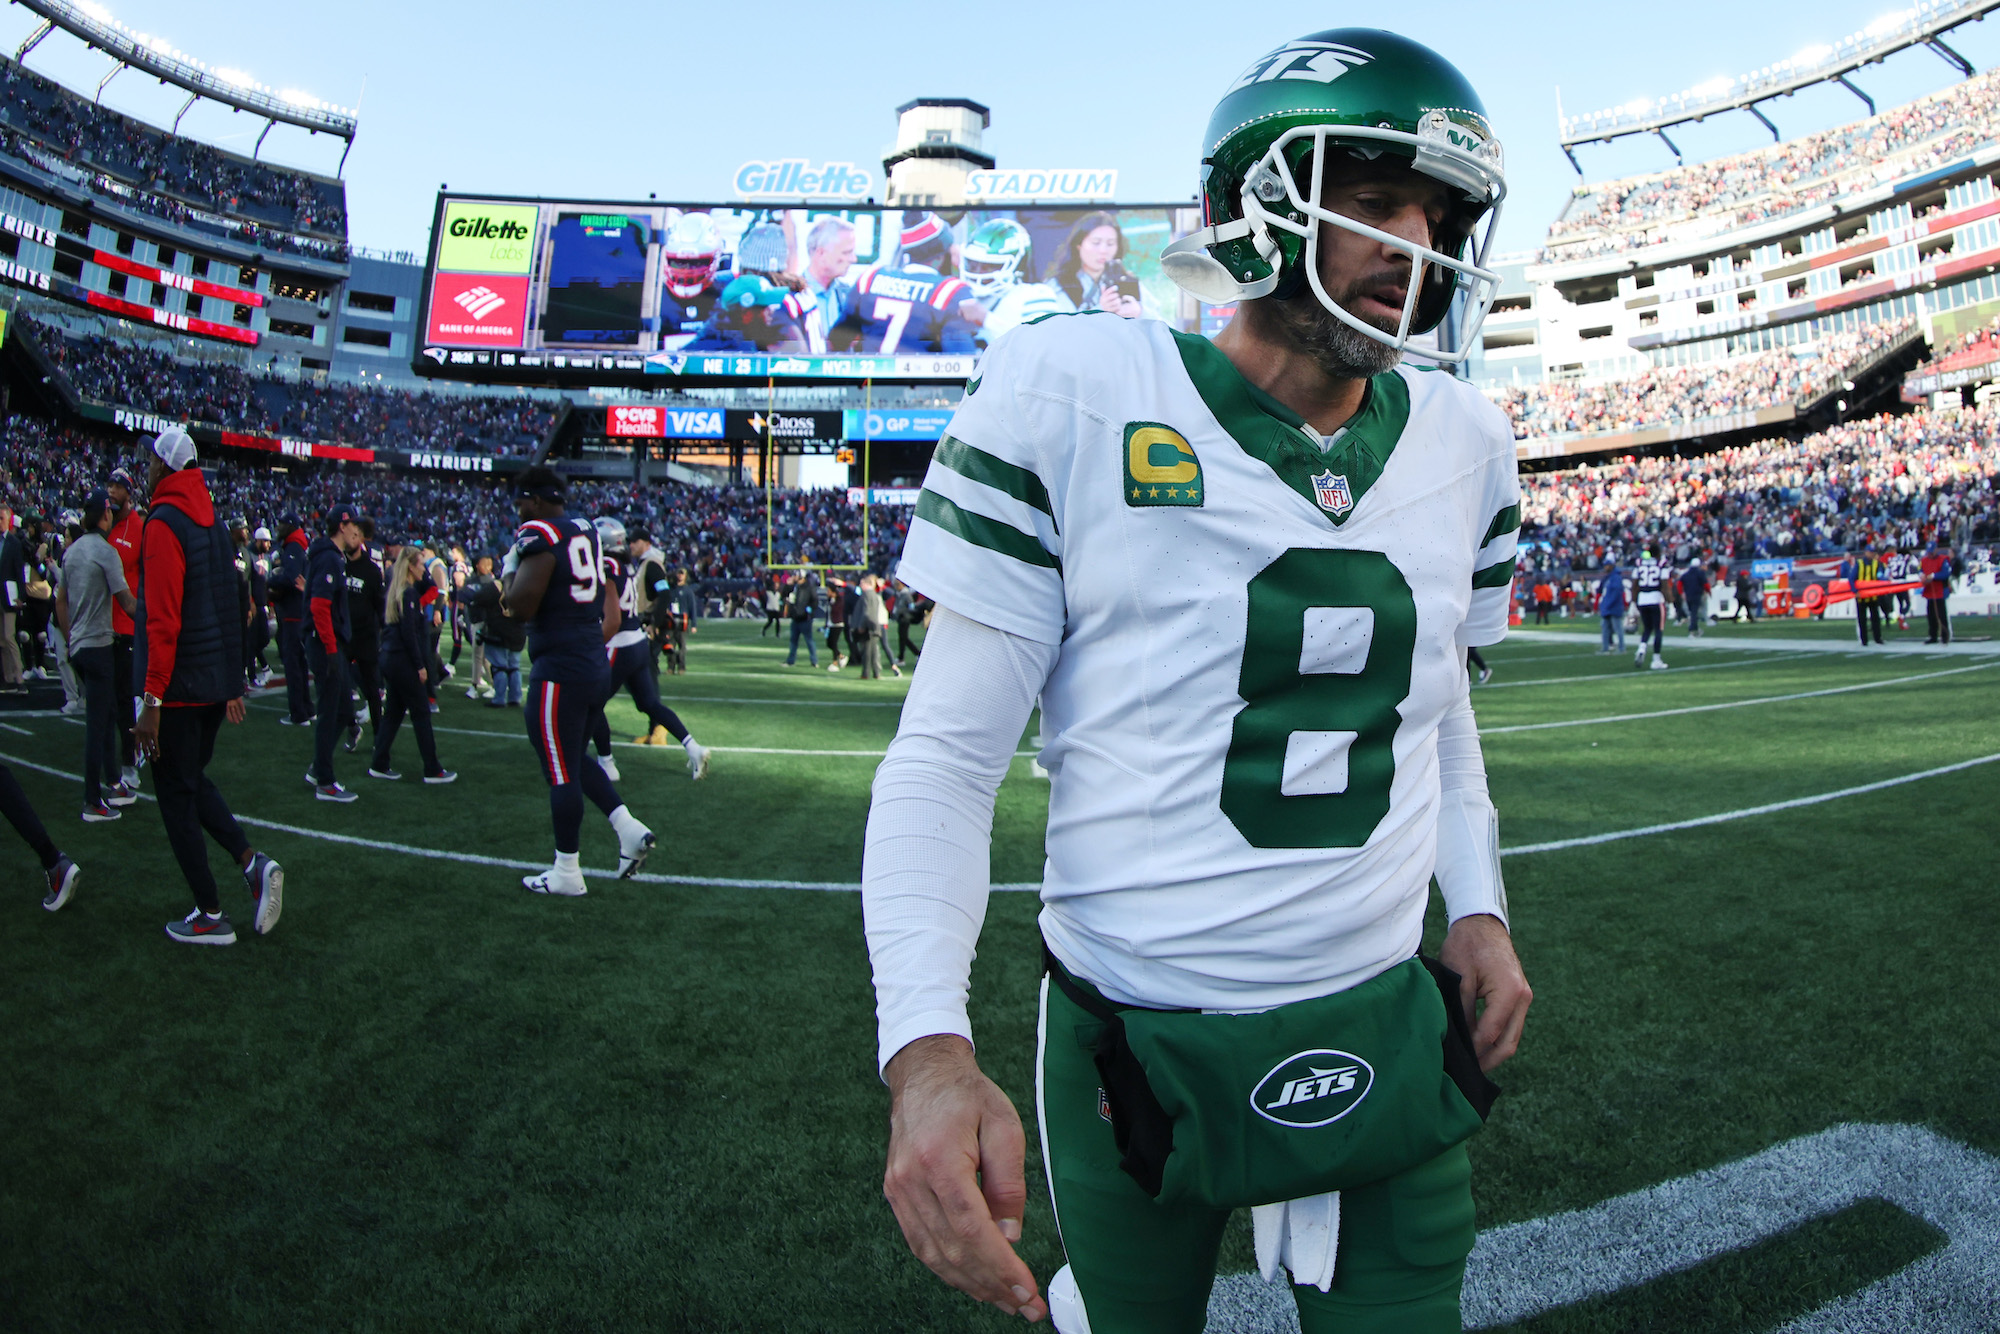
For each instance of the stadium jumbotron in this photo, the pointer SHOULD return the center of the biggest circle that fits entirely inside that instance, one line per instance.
(1280, 555)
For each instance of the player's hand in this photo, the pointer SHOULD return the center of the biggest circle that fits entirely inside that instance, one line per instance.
(146, 732)
(955, 1173)
(1480, 951)
(972, 313)
(234, 710)
(423, 676)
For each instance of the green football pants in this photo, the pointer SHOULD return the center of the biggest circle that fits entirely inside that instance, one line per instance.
(1144, 1268)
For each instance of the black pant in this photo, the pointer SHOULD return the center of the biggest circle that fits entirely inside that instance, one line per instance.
(189, 800)
(904, 647)
(628, 672)
(20, 813)
(833, 633)
(121, 683)
(292, 656)
(336, 705)
(256, 634)
(1652, 622)
(1937, 621)
(405, 695)
(1868, 610)
(364, 666)
(100, 720)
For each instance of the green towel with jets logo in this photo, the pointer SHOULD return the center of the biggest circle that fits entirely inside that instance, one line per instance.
(1228, 1110)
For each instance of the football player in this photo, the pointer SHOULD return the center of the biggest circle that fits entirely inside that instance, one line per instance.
(913, 307)
(690, 277)
(995, 260)
(553, 580)
(1651, 577)
(1241, 576)
(629, 656)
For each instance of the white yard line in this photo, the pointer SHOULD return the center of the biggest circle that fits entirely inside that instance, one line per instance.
(1748, 811)
(1642, 674)
(22, 731)
(473, 859)
(1734, 703)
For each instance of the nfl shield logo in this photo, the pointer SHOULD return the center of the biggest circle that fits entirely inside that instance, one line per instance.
(1332, 493)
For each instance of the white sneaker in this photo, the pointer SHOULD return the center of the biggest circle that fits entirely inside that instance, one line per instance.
(633, 851)
(697, 760)
(71, 708)
(553, 881)
(610, 767)
(1659, 663)
(1639, 658)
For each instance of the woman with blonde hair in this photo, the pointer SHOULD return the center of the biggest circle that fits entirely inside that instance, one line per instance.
(406, 659)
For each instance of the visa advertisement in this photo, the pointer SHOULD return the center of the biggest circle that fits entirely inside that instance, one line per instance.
(594, 292)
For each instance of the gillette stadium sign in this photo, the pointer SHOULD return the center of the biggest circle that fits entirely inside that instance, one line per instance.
(797, 178)
(1041, 184)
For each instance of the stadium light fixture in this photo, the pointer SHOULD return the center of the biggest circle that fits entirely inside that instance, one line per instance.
(1715, 87)
(1812, 55)
(1888, 23)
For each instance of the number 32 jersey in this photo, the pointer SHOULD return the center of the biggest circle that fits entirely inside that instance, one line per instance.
(1258, 636)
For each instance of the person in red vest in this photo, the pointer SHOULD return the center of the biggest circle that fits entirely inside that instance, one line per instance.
(190, 656)
(1937, 571)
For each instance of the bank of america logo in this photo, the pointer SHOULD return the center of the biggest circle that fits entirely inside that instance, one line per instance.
(479, 302)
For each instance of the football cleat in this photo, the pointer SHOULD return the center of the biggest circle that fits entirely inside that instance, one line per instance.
(553, 882)
(62, 879)
(266, 880)
(610, 767)
(632, 852)
(198, 928)
(697, 760)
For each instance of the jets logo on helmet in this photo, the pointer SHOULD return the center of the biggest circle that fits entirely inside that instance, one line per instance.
(994, 256)
(1321, 62)
(1278, 136)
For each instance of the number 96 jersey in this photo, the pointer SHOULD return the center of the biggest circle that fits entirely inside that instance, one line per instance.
(1259, 632)
(566, 636)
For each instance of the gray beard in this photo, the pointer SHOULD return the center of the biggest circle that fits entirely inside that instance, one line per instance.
(1340, 352)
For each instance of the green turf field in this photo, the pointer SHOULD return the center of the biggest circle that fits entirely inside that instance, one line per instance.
(431, 1100)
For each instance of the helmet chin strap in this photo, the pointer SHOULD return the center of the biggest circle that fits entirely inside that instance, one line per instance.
(1192, 265)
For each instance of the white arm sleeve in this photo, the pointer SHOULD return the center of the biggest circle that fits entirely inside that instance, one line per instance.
(925, 866)
(1468, 839)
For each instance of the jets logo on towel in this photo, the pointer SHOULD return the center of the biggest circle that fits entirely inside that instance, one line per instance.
(1335, 496)
(1313, 1088)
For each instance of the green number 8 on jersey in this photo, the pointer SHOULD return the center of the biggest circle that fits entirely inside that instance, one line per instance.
(1326, 664)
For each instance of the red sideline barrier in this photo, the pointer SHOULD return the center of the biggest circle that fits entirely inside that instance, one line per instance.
(1840, 591)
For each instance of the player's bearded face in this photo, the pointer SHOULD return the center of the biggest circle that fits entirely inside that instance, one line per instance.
(1340, 351)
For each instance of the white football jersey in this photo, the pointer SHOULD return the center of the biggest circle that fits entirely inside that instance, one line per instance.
(1021, 304)
(1258, 638)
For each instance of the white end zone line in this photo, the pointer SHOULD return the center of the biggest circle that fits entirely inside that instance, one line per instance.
(1734, 703)
(1524, 1269)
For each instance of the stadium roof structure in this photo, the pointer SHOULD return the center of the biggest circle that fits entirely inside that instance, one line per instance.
(91, 24)
(1923, 25)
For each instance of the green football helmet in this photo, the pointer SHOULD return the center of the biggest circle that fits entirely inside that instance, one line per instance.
(994, 256)
(1361, 92)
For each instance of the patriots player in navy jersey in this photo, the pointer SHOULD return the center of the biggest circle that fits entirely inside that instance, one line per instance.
(692, 278)
(913, 307)
(553, 579)
(630, 658)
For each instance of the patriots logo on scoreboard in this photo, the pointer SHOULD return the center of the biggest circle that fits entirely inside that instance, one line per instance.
(1332, 492)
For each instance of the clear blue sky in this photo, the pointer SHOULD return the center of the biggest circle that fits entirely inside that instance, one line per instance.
(616, 102)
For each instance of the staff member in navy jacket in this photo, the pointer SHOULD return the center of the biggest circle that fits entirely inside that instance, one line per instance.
(406, 668)
(327, 629)
(188, 652)
(288, 599)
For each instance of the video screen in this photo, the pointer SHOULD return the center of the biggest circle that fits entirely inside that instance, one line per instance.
(555, 290)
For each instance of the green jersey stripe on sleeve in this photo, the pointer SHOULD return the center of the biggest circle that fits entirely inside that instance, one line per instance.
(990, 470)
(981, 531)
(1506, 521)
(1493, 576)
